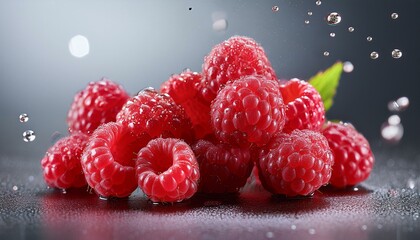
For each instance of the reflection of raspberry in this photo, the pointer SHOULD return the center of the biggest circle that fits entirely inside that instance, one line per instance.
(156, 115)
(167, 170)
(223, 168)
(184, 89)
(232, 59)
(61, 165)
(98, 103)
(352, 154)
(248, 110)
(304, 106)
(109, 158)
(295, 164)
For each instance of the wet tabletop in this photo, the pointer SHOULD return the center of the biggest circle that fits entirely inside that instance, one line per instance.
(386, 206)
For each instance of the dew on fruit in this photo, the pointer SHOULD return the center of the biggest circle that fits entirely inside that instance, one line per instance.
(326, 53)
(79, 46)
(269, 234)
(293, 227)
(15, 188)
(103, 198)
(332, 34)
(399, 105)
(311, 231)
(411, 183)
(394, 16)
(355, 189)
(374, 55)
(333, 19)
(23, 117)
(348, 67)
(351, 29)
(28, 136)
(306, 21)
(369, 39)
(275, 8)
(396, 53)
(63, 191)
(309, 13)
(392, 133)
(220, 25)
(318, 2)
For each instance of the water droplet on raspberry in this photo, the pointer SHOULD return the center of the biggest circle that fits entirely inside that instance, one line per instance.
(28, 136)
(149, 90)
(55, 137)
(63, 191)
(103, 198)
(333, 19)
(348, 67)
(23, 117)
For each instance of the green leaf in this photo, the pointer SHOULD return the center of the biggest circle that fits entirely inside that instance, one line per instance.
(327, 82)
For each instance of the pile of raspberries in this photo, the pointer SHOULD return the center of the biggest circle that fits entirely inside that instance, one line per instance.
(206, 132)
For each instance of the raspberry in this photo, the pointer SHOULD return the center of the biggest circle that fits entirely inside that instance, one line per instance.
(61, 164)
(184, 89)
(352, 154)
(150, 114)
(295, 164)
(109, 158)
(232, 59)
(98, 103)
(304, 106)
(167, 170)
(248, 110)
(223, 168)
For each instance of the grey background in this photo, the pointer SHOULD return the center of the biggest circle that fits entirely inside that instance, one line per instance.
(140, 43)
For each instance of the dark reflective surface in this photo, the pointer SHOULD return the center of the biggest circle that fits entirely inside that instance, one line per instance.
(386, 206)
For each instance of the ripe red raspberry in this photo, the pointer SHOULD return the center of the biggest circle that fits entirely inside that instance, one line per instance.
(223, 168)
(248, 110)
(304, 106)
(98, 103)
(167, 170)
(61, 164)
(232, 59)
(295, 164)
(155, 115)
(109, 158)
(184, 89)
(352, 154)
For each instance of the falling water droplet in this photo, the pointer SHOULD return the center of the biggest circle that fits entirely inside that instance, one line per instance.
(309, 13)
(374, 55)
(332, 34)
(15, 188)
(28, 136)
(318, 2)
(348, 67)
(306, 21)
(275, 8)
(311, 231)
(394, 120)
(394, 16)
(326, 53)
(293, 227)
(392, 133)
(369, 39)
(411, 183)
(396, 53)
(364, 227)
(23, 117)
(399, 105)
(220, 25)
(79, 46)
(269, 234)
(333, 19)
(351, 29)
